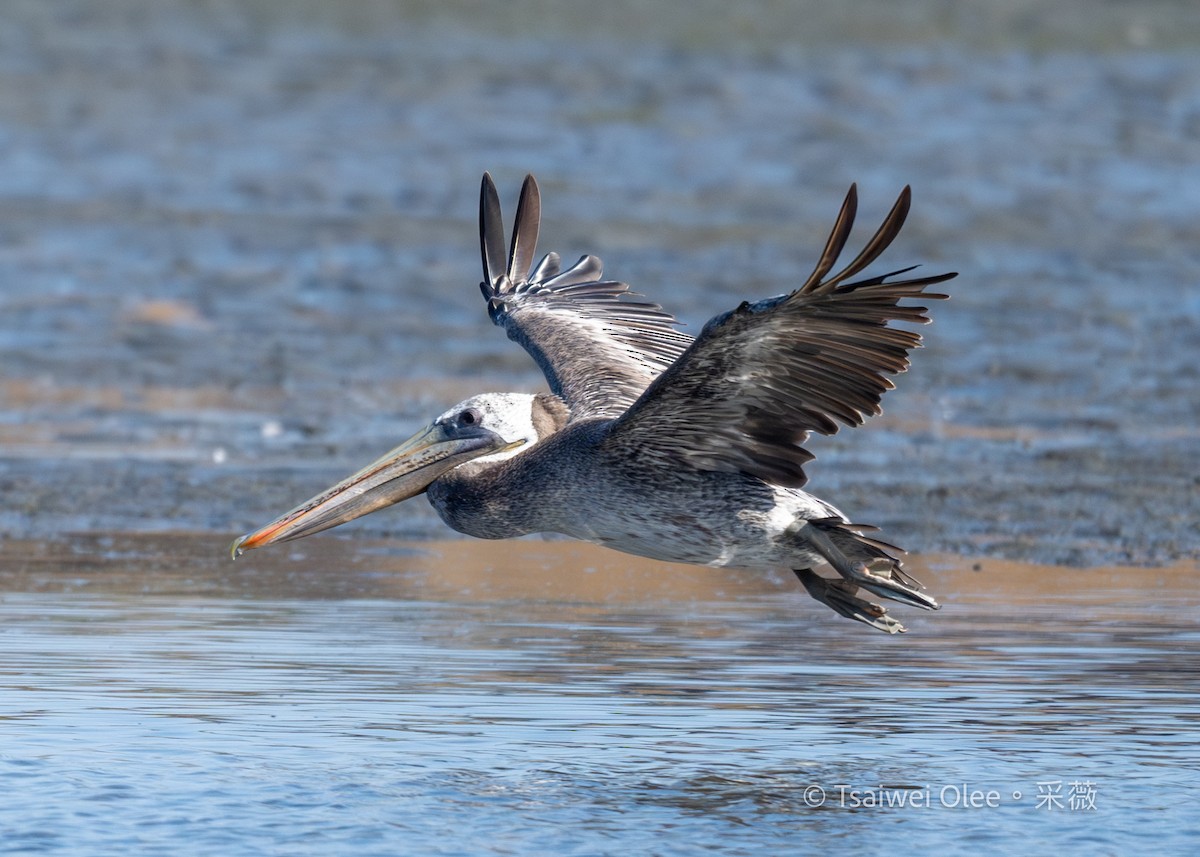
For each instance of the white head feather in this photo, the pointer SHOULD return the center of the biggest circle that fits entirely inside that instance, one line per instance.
(510, 415)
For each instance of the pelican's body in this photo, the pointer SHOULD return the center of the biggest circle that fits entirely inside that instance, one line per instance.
(568, 484)
(653, 443)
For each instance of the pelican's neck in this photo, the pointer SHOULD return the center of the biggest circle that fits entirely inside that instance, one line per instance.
(496, 496)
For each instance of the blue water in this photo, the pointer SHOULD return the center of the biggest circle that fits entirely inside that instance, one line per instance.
(238, 260)
(427, 721)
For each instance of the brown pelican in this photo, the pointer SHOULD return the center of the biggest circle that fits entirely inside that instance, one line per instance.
(651, 442)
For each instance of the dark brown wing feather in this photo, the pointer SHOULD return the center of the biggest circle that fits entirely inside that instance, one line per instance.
(598, 346)
(747, 393)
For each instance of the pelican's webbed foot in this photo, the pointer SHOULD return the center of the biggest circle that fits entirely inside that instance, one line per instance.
(872, 567)
(842, 597)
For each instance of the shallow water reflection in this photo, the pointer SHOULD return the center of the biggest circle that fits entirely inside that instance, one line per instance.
(550, 698)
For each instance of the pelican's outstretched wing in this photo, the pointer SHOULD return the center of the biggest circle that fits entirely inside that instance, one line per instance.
(757, 380)
(598, 347)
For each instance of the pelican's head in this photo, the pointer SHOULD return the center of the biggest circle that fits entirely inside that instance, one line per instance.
(486, 428)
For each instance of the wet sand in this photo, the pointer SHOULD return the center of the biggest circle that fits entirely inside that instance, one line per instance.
(561, 571)
(237, 252)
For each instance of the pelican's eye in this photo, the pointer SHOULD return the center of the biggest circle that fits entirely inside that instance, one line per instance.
(470, 417)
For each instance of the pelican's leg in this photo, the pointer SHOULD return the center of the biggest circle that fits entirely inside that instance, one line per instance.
(892, 583)
(841, 596)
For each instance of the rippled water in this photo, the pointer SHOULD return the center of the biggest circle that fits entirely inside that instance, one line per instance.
(238, 260)
(544, 698)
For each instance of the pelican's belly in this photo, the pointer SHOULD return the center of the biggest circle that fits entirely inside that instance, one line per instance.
(718, 520)
(675, 515)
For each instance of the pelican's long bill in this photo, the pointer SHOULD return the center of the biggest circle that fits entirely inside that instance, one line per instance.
(404, 472)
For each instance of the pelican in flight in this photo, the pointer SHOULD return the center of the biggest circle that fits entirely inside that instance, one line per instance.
(655, 443)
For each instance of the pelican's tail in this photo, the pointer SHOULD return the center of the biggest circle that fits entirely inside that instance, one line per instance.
(863, 563)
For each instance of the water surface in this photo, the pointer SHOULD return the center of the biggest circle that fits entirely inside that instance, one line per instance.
(551, 698)
(238, 260)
